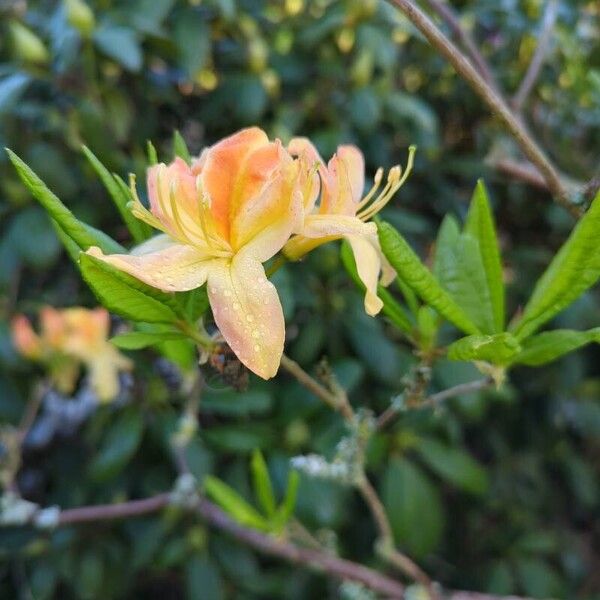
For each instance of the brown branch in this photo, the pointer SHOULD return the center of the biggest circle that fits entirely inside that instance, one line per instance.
(445, 11)
(334, 401)
(213, 515)
(533, 71)
(492, 98)
(317, 560)
(109, 512)
(522, 171)
(435, 400)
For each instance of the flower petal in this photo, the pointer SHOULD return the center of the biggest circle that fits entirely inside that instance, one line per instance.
(320, 225)
(173, 267)
(368, 266)
(223, 165)
(310, 165)
(26, 341)
(248, 313)
(343, 182)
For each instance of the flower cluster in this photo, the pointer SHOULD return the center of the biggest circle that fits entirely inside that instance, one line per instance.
(237, 205)
(70, 338)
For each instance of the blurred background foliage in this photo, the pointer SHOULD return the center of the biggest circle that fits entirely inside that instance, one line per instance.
(498, 491)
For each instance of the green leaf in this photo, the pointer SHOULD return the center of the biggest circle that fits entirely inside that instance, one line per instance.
(410, 268)
(230, 402)
(203, 579)
(135, 340)
(180, 147)
(480, 224)
(286, 508)
(83, 235)
(497, 349)
(550, 345)
(120, 196)
(454, 465)
(125, 295)
(195, 302)
(120, 444)
(459, 268)
(152, 154)
(414, 508)
(121, 44)
(391, 307)
(231, 502)
(572, 271)
(261, 480)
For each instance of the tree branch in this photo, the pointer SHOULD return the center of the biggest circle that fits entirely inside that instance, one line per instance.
(445, 11)
(492, 98)
(435, 400)
(334, 401)
(538, 58)
(317, 560)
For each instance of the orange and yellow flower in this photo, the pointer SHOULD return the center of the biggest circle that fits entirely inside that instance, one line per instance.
(222, 217)
(71, 337)
(343, 212)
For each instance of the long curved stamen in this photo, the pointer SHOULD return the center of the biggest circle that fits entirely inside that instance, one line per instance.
(376, 183)
(395, 182)
(138, 210)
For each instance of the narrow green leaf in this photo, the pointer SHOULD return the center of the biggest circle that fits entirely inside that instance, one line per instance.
(480, 224)
(194, 303)
(180, 147)
(573, 270)
(135, 340)
(83, 235)
(73, 250)
(410, 268)
(286, 509)
(261, 481)
(445, 244)
(497, 349)
(454, 465)
(120, 196)
(152, 154)
(550, 345)
(391, 307)
(231, 502)
(126, 296)
(119, 445)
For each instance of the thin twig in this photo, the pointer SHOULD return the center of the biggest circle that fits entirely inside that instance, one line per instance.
(458, 390)
(339, 401)
(433, 401)
(334, 401)
(492, 98)
(317, 560)
(109, 512)
(386, 539)
(533, 71)
(524, 171)
(445, 11)
(213, 515)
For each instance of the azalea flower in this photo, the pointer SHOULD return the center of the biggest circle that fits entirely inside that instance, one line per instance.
(222, 217)
(343, 212)
(69, 338)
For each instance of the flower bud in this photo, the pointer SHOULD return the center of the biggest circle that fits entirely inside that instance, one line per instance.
(27, 45)
(80, 16)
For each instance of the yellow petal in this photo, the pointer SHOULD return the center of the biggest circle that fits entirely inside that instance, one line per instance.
(173, 267)
(238, 165)
(343, 182)
(248, 313)
(310, 165)
(368, 266)
(320, 225)
(26, 341)
(104, 372)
